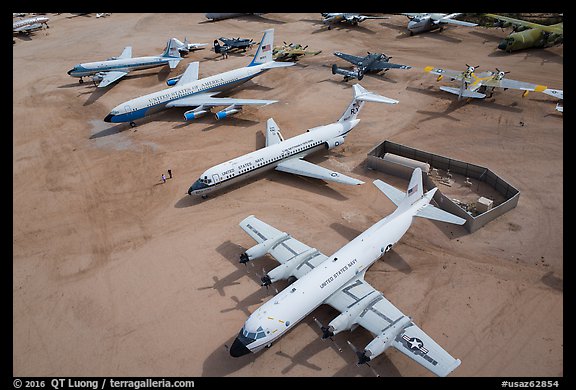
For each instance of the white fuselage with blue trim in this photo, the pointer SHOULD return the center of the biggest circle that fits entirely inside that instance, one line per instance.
(120, 64)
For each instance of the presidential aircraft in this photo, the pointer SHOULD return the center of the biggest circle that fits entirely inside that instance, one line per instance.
(113, 69)
(29, 25)
(287, 155)
(331, 19)
(338, 281)
(477, 86)
(189, 91)
(422, 22)
(527, 34)
(371, 63)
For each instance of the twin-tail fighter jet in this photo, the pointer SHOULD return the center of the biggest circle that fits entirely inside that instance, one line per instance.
(338, 281)
(189, 91)
(422, 22)
(287, 155)
(477, 86)
(111, 70)
(371, 63)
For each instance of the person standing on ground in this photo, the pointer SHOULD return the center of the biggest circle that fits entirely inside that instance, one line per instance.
(163, 178)
(170, 173)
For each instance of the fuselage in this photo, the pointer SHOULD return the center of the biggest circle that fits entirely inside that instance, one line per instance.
(122, 65)
(278, 315)
(232, 171)
(143, 105)
(533, 37)
(421, 23)
(29, 21)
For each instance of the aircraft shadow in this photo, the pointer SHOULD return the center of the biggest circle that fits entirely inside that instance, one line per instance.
(402, 28)
(488, 38)
(345, 231)
(247, 18)
(541, 53)
(110, 131)
(316, 186)
(95, 94)
(553, 281)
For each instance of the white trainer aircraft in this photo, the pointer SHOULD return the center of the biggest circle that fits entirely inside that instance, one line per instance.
(115, 68)
(421, 22)
(287, 155)
(189, 91)
(26, 26)
(338, 281)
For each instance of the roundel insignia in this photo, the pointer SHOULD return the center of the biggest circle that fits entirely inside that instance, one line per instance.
(414, 343)
(333, 174)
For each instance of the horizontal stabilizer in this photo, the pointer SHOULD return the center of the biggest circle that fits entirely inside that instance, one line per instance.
(394, 194)
(174, 63)
(304, 168)
(431, 212)
(465, 92)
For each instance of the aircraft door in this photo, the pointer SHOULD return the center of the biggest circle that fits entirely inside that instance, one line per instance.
(127, 108)
(215, 178)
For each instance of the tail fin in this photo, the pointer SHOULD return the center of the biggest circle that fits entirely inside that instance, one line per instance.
(172, 49)
(414, 192)
(264, 52)
(362, 95)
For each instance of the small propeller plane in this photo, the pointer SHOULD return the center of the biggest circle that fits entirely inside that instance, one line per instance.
(339, 281)
(331, 19)
(527, 34)
(476, 86)
(291, 52)
(232, 44)
(373, 62)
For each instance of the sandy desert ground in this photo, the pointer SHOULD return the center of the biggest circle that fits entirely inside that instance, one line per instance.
(116, 274)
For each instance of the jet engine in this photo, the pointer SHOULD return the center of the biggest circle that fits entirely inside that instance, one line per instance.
(228, 111)
(261, 249)
(196, 113)
(332, 143)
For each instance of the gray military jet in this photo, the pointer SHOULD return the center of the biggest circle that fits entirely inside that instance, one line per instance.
(371, 63)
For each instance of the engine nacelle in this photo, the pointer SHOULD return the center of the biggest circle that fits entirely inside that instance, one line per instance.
(228, 111)
(334, 142)
(98, 77)
(348, 74)
(384, 340)
(173, 80)
(348, 318)
(286, 270)
(195, 113)
(261, 249)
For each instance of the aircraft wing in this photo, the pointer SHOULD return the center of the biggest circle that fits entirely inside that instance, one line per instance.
(286, 249)
(555, 28)
(453, 74)
(206, 99)
(513, 84)
(380, 314)
(348, 57)
(304, 168)
(559, 93)
(110, 77)
(379, 65)
(448, 19)
(126, 53)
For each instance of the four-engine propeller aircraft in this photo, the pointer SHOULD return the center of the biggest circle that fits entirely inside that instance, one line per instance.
(292, 52)
(338, 281)
(113, 69)
(287, 155)
(421, 22)
(353, 19)
(189, 91)
(474, 85)
(29, 25)
(528, 34)
(373, 62)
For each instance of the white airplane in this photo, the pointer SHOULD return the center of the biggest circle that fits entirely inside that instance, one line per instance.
(557, 93)
(189, 91)
(421, 22)
(115, 68)
(26, 26)
(186, 47)
(287, 155)
(338, 281)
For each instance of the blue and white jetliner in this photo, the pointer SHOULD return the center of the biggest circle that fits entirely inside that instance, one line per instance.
(338, 281)
(287, 155)
(115, 68)
(189, 91)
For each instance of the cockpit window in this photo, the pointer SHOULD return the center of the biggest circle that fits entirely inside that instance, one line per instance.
(253, 336)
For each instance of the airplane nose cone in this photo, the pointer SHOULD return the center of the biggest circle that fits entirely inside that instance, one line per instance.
(70, 71)
(502, 45)
(108, 118)
(238, 349)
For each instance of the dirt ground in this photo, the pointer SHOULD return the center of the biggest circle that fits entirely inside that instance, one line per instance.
(117, 274)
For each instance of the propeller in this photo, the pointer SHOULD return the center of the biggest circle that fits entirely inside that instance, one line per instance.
(362, 358)
(244, 258)
(266, 281)
(327, 333)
